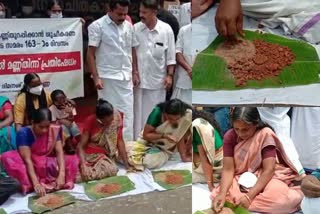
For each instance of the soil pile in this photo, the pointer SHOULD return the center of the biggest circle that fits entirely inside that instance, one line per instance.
(254, 60)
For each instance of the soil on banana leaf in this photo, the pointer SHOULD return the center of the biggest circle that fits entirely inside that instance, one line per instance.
(171, 178)
(50, 201)
(254, 60)
(108, 188)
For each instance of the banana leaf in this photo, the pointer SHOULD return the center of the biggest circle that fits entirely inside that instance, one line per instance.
(122, 183)
(235, 209)
(2, 211)
(161, 176)
(37, 207)
(210, 72)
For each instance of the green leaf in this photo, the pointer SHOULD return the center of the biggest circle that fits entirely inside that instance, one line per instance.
(159, 177)
(125, 183)
(2, 211)
(36, 208)
(211, 73)
(235, 209)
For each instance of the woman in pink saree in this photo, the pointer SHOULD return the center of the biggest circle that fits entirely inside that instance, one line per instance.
(40, 164)
(256, 172)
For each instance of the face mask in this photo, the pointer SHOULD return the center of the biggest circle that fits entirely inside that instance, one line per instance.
(36, 90)
(2, 15)
(56, 15)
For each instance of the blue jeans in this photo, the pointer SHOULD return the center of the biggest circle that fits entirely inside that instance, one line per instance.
(221, 115)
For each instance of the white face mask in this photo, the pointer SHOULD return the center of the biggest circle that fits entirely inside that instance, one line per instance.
(2, 15)
(36, 90)
(56, 15)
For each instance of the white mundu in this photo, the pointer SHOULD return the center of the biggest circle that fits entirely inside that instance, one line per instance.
(155, 52)
(183, 88)
(305, 126)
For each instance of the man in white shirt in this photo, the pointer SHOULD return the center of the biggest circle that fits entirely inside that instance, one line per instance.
(185, 14)
(111, 59)
(185, 59)
(156, 62)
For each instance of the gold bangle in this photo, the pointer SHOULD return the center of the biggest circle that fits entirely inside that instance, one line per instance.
(247, 196)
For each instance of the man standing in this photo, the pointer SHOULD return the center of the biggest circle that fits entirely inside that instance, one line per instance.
(156, 61)
(111, 58)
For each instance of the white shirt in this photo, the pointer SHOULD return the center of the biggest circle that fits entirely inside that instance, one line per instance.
(185, 14)
(155, 52)
(183, 46)
(114, 48)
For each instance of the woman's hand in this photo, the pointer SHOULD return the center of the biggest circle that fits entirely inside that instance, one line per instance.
(242, 201)
(40, 190)
(218, 202)
(61, 180)
(229, 19)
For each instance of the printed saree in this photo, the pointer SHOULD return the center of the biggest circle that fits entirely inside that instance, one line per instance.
(102, 151)
(143, 154)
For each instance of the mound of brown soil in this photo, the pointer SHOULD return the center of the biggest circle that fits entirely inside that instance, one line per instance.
(108, 188)
(255, 60)
(50, 201)
(174, 179)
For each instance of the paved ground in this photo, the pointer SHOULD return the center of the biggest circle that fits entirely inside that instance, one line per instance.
(169, 202)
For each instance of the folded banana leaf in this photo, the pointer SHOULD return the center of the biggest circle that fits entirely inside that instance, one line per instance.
(50, 202)
(172, 179)
(210, 72)
(2, 211)
(235, 209)
(108, 187)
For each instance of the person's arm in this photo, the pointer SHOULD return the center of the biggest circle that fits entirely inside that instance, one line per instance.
(227, 175)
(150, 134)
(179, 52)
(19, 110)
(25, 153)
(135, 71)
(206, 166)
(268, 166)
(123, 153)
(170, 59)
(61, 164)
(183, 63)
(8, 117)
(81, 148)
(94, 32)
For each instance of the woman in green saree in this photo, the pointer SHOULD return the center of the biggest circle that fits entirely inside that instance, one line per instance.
(167, 131)
(207, 149)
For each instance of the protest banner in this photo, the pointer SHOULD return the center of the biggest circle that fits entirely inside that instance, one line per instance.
(52, 48)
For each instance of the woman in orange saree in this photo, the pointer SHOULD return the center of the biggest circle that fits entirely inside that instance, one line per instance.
(256, 172)
(101, 144)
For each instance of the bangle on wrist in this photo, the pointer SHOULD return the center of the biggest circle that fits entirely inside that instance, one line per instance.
(170, 75)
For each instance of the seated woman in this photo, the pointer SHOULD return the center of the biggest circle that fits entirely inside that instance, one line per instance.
(101, 143)
(7, 132)
(40, 164)
(168, 129)
(256, 172)
(207, 149)
(31, 97)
